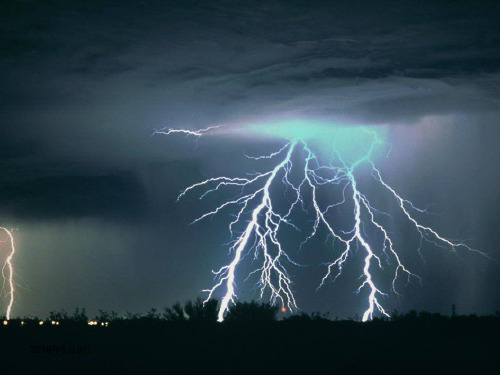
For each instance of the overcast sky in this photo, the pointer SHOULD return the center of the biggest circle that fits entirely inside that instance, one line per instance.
(91, 193)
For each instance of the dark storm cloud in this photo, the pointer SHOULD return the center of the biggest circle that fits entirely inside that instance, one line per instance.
(74, 70)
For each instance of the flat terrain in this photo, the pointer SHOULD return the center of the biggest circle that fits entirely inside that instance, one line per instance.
(462, 345)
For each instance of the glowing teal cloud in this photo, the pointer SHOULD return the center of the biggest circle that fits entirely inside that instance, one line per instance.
(353, 142)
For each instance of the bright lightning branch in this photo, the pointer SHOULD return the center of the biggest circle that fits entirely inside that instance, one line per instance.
(8, 286)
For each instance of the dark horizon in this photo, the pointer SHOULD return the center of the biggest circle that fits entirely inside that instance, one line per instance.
(187, 339)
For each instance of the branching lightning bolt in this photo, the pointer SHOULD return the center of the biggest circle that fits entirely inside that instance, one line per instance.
(260, 233)
(263, 226)
(8, 268)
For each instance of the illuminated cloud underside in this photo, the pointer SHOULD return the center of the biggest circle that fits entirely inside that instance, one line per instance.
(349, 149)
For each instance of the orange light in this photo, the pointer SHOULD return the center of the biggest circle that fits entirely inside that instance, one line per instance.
(283, 309)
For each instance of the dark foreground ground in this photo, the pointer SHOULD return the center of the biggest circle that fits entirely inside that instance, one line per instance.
(462, 345)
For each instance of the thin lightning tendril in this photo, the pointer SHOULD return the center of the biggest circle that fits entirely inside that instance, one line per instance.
(8, 268)
(196, 133)
(260, 233)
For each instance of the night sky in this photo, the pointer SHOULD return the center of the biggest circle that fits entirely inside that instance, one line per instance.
(91, 193)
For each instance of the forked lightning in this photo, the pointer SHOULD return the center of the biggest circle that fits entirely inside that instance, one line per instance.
(261, 222)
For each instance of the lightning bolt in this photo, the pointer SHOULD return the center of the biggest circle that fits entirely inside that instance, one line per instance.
(196, 133)
(262, 222)
(8, 268)
(263, 227)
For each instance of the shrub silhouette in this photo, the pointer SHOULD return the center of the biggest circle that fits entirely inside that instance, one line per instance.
(194, 311)
(59, 315)
(175, 313)
(79, 316)
(200, 311)
(252, 312)
(107, 316)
